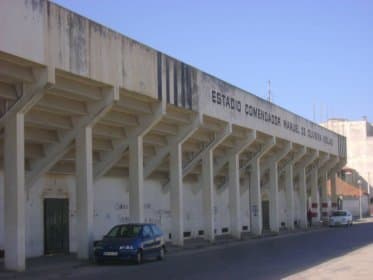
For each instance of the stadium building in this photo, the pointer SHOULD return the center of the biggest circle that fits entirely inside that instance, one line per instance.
(98, 129)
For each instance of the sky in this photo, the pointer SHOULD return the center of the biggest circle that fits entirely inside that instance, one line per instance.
(318, 55)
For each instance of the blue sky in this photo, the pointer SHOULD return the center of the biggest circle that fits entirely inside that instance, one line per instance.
(317, 54)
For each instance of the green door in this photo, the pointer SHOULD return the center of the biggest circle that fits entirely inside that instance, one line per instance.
(56, 226)
(265, 214)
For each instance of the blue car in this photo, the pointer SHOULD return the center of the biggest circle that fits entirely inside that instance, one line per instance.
(130, 242)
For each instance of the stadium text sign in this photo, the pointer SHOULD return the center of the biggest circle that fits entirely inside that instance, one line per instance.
(252, 111)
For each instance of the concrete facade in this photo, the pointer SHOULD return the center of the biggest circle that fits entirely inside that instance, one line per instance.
(353, 205)
(359, 137)
(129, 134)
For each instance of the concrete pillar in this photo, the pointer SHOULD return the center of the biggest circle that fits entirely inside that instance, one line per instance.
(136, 177)
(176, 195)
(84, 192)
(208, 196)
(333, 187)
(256, 199)
(289, 192)
(315, 196)
(303, 198)
(234, 196)
(14, 194)
(324, 196)
(274, 223)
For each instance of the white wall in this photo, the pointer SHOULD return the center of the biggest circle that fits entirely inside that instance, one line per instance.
(157, 205)
(297, 216)
(22, 29)
(222, 219)
(111, 204)
(193, 218)
(282, 207)
(245, 204)
(111, 207)
(352, 204)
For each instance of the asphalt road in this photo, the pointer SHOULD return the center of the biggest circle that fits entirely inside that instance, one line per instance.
(273, 258)
(261, 259)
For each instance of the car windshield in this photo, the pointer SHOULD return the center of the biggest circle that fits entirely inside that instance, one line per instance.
(339, 213)
(124, 231)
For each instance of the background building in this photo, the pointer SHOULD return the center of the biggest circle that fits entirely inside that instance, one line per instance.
(350, 196)
(359, 166)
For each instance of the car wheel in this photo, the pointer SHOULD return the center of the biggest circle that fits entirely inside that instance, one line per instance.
(139, 257)
(161, 254)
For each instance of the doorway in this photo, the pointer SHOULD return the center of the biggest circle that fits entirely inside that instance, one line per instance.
(56, 226)
(265, 214)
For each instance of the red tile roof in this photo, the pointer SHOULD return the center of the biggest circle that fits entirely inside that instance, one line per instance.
(345, 189)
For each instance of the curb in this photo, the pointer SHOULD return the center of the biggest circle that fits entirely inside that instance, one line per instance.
(235, 242)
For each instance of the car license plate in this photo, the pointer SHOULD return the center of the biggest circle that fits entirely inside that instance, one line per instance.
(111, 254)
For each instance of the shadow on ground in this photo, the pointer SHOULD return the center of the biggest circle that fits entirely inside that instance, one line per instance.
(271, 257)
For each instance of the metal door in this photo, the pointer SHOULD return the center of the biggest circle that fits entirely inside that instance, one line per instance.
(265, 214)
(56, 226)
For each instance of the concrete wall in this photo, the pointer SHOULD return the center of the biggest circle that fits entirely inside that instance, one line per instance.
(282, 207)
(60, 39)
(352, 204)
(54, 36)
(222, 219)
(245, 203)
(193, 209)
(359, 146)
(111, 207)
(24, 38)
(297, 216)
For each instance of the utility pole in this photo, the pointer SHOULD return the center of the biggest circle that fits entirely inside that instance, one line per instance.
(269, 91)
(368, 188)
(359, 182)
(314, 112)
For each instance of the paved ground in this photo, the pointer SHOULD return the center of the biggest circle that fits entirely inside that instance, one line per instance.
(354, 265)
(336, 253)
